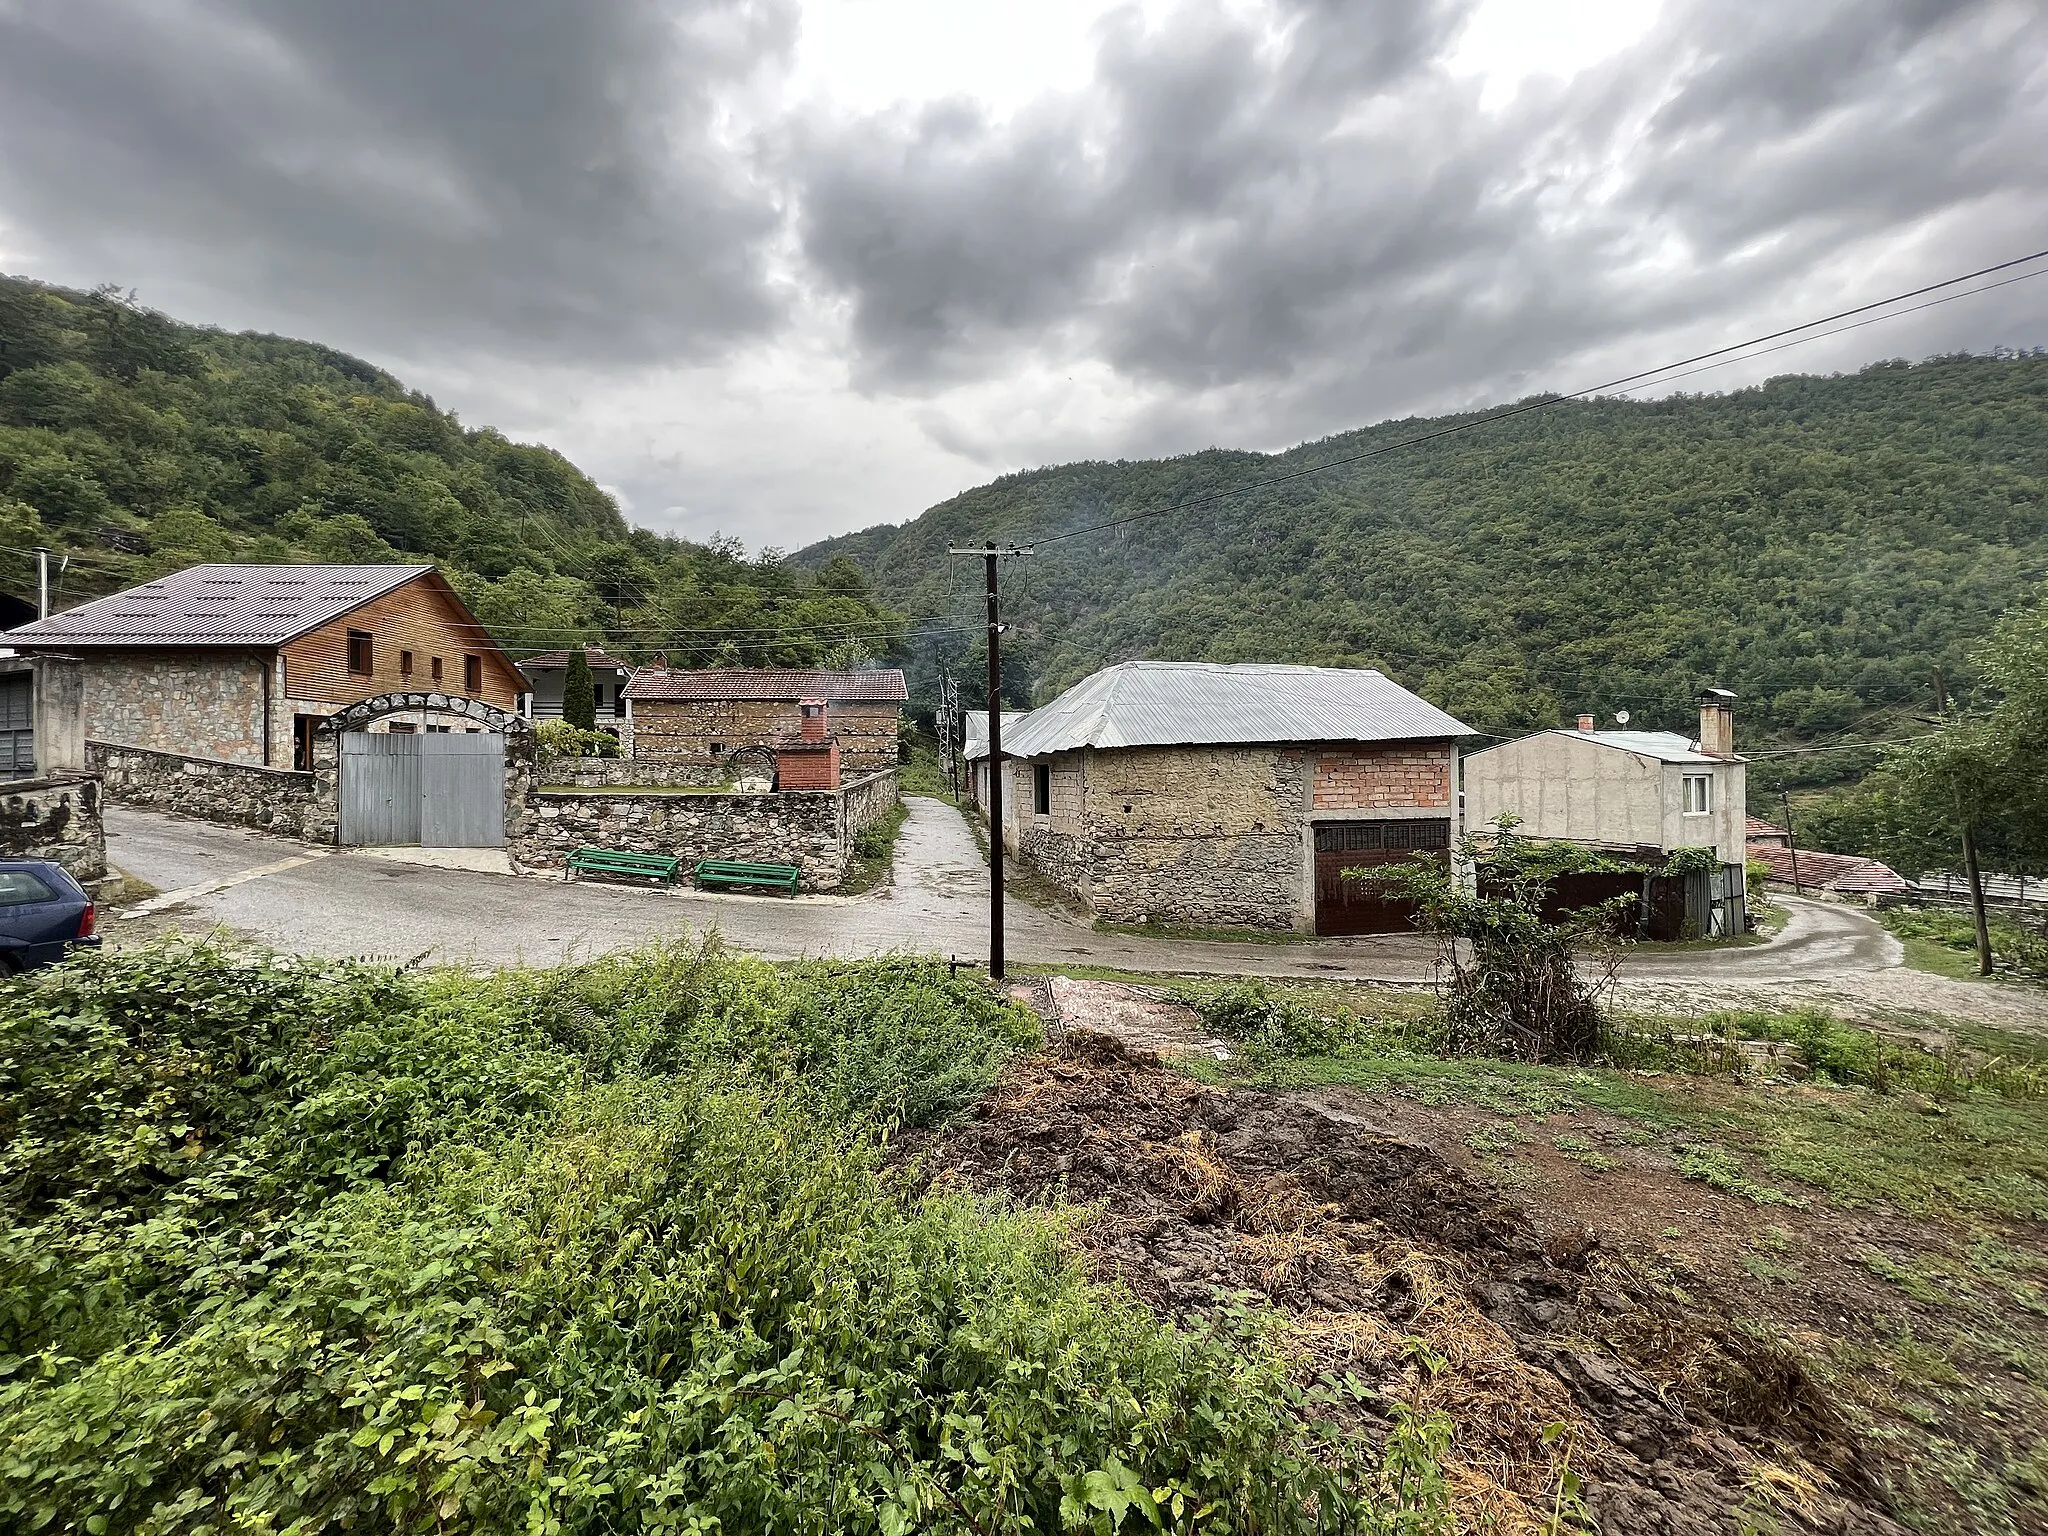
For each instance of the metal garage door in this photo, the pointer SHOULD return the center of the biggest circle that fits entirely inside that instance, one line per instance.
(17, 726)
(1356, 906)
(440, 790)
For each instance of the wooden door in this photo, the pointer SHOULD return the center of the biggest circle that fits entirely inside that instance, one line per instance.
(1352, 905)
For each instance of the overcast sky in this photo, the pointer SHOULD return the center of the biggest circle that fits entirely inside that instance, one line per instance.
(784, 268)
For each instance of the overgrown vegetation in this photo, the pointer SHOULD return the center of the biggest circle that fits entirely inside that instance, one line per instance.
(307, 1247)
(133, 445)
(2016, 948)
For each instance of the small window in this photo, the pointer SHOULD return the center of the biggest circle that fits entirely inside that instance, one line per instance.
(361, 657)
(21, 888)
(405, 663)
(1041, 788)
(472, 675)
(717, 749)
(437, 669)
(1699, 794)
(404, 728)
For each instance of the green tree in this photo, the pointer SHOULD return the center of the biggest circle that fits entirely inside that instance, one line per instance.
(579, 699)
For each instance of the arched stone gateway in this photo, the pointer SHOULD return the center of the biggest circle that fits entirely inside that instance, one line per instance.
(457, 783)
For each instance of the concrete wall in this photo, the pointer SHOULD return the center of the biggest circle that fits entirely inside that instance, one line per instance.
(58, 715)
(56, 819)
(217, 789)
(812, 829)
(1586, 791)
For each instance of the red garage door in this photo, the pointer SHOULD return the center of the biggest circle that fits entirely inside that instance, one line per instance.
(1355, 906)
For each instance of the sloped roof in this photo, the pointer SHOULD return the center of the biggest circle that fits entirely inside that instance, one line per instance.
(884, 686)
(975, 736)
(556, 661)
(1664, 746)
(1200, 703)
(259, 605)
(1841, 872)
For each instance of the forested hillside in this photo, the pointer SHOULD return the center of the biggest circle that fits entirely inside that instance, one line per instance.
(134, 445)
(1820, 545)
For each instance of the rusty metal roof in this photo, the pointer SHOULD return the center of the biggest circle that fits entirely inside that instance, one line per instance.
(258, 605)
(1200, 703)
(882, 686)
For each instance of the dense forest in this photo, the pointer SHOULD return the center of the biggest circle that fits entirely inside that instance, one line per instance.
(132, 445)
(1823, 546)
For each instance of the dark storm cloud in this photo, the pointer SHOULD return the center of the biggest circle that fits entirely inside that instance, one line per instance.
(522, 177)
(1325, 209)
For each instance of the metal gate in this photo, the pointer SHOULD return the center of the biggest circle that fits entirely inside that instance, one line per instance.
(1356, 905)
(440, 790)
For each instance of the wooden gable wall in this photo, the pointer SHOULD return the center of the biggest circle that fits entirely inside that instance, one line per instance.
(423, 617)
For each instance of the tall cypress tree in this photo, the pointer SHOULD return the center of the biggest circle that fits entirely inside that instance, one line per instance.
(579, 696)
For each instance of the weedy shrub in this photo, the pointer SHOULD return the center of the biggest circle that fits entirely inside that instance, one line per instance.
(2015, 948)
(301, 1247)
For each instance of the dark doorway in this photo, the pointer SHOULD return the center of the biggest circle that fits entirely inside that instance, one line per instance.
(1352, 906)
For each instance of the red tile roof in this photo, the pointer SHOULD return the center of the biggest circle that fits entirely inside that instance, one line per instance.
(1840, 872)
(769, 683)
(1757, 831)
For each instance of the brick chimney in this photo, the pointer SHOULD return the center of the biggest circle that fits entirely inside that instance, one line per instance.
(1586, 723)
(813, 713)
(1717, 723)
(811, 760)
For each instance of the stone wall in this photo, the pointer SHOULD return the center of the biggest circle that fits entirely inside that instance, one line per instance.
(707, 731)
(216, 789)
(1407, 776)
(56, 819)
(204, 704)
(867, 801)
(609, 772)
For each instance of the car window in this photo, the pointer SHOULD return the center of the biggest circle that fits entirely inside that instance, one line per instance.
(19, 887)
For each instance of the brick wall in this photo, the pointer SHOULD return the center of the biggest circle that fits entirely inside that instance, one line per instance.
(1405, 777)
(208, 703)
(685, 730)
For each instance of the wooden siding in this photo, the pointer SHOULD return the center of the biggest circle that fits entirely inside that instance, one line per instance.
(421, 617)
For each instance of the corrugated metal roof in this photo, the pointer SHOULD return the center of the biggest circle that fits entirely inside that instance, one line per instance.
(556, 661)
(220, 605)
(1664, 746)
(1201, 703)
(882, 686)
(975, 737)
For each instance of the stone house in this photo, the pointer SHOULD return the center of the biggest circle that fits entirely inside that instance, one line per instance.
(240, 663)
(974, 751)
(1645, 794)
(702, 719)
(1233, 795)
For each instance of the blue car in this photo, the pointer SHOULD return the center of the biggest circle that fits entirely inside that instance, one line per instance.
(44, 915)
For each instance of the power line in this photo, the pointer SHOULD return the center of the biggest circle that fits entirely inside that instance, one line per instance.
(1642, 380)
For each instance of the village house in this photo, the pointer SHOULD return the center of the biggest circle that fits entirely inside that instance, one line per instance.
(1637, 794)
(242, 662)
(546, 673)
(702, 719)
(974, 751)
(1231, 795)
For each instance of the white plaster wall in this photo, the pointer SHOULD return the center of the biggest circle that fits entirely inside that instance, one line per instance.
(1563, 788)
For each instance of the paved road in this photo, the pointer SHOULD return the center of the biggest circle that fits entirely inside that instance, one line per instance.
(364, 904)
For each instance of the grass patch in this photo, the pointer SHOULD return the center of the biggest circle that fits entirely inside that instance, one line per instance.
(1946, 942)
(874, 851)
(1204, 935)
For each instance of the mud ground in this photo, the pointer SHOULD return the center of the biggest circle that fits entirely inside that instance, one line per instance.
(1571, 1340)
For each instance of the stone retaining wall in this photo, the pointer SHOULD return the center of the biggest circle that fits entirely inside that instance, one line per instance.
(56, 819)
(272, 800)
(624, 773)
(813, 829)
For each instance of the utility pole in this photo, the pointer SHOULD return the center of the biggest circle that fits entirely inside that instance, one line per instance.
(42, 583)
(1792, 842)
(990, 554)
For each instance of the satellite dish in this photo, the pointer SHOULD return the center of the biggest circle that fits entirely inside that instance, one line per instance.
(1621, 717)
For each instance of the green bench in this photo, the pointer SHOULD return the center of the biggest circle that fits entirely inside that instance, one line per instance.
(734, 872)
(618, 861)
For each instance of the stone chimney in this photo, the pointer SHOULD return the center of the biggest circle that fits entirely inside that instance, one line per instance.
(1717, 723)
(1586, 723)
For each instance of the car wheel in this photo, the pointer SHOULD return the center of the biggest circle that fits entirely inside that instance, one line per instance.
(9, 966)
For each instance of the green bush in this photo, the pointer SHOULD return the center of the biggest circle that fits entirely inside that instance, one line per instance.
(305, 1247)
(2013, 947)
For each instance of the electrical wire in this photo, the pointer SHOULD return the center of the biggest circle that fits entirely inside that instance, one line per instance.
(1646, 379)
